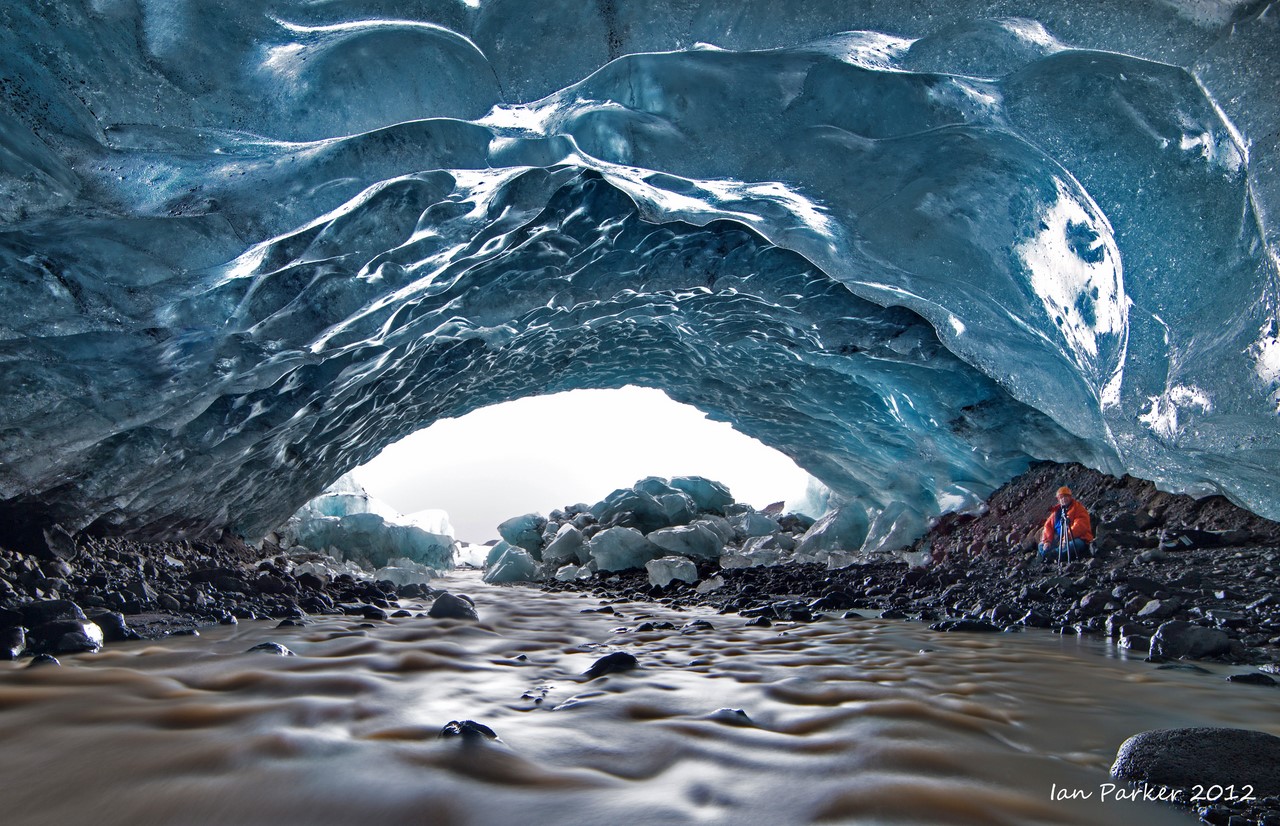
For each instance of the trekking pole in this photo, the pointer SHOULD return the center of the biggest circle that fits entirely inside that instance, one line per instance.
(1064, 538)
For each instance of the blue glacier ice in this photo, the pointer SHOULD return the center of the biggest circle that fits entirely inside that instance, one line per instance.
(345, 522)
(914, 246)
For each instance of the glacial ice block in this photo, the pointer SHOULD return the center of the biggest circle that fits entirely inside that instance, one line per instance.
(372, 541)
(524, 532)
(663, 570)
(696, 539)
(619, 549)
(514, 564)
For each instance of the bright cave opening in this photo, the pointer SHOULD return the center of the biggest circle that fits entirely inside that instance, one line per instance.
(540, 453)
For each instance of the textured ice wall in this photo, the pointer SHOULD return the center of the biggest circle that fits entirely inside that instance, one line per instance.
(910, 245)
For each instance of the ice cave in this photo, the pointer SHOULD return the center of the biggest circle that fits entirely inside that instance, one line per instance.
(912, 246)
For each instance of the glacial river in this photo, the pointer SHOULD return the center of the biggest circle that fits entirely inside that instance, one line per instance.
(841, 721)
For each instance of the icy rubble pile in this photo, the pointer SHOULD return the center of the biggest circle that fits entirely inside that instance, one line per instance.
(671, 527)
(345, 530)
(913, 246)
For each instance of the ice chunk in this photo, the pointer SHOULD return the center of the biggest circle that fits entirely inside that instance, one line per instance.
(706, 494)
(567, 546)
(717, 525)
(404, 572)
(667, 568)
(619, 549)
(710, 584)
(567, 573)
(370, 540)
(524, 532)
(697, 540)
(893, 528)
(512, 565)
(754, 523)
(772, 542)
(753, 558)
(495, 552)
(631, 508)
(471, 556)
(844, 529)
(347, 497)
(431, 520)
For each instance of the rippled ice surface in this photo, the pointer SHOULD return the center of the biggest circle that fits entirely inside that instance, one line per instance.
(851, 721)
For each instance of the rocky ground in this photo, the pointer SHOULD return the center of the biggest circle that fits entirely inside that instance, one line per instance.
(1180, 577)
(75, 594)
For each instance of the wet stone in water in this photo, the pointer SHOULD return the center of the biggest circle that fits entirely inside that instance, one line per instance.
(271, 648)
(614, 663)
(448, 606)
(469, 730)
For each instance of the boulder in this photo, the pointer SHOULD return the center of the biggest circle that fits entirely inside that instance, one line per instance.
(614, 663)
(448, 606)
(13, 641)
(1177, 639)
(1186, 757)
(50, 610)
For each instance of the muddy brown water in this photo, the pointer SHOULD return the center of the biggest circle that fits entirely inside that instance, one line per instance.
(846, 721)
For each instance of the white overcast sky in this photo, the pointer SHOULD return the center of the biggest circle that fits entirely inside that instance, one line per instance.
(545, 452)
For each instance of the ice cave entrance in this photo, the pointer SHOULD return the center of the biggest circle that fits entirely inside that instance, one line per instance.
(541, 453)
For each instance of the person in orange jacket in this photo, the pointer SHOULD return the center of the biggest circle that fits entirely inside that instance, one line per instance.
(1069, 516)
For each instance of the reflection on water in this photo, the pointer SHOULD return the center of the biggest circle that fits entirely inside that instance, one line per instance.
(844, 721)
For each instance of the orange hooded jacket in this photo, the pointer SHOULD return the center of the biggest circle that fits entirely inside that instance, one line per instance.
(1077, 518)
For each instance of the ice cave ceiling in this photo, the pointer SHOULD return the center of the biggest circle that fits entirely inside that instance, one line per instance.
(912, 245)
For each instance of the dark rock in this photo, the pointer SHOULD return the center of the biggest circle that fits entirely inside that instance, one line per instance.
(114, 628)
(891, 613)
(1034, 619)
(373, 612)
(168, 603)
(311, 582)
(13, 641)
(66, 637)
(43, 659)
(1252, 678)
(1182, 758)
(448, 606)
(270, 584)
(977, 626)
(271, 648)
(764, 622)
(50, 610)
(1094, 602)
(59, 543)
(1177, 639)
(833, 600)
(230, 584)
(143, 592)
(614, 663)
(468, 730)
